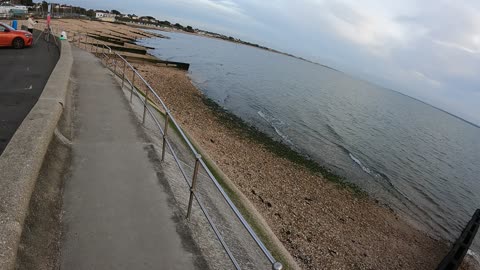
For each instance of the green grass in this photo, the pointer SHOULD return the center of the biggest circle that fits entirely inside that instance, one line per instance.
(279, 148)
(247, 215)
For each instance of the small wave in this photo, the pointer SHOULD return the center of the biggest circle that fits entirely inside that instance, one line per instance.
(275, 124)
(364, 168)
(474, 255)
(284, 137)
(334, 132)
(262, 115)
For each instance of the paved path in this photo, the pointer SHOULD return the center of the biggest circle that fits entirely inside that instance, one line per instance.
(23, 75)
(117, 215)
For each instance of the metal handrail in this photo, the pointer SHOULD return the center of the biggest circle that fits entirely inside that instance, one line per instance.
(166, 143)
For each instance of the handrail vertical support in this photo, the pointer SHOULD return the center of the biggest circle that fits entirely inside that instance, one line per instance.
(133, 83)
(145, 104)
(114, 63)
(194, 185)
(165, 130)
(123, 73)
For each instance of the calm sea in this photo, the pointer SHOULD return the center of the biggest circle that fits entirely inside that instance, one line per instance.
(421, 161)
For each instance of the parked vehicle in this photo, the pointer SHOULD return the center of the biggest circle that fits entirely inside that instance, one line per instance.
(10, 37)
(7, 10)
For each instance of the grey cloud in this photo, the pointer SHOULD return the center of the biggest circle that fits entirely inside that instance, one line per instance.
(426, 49)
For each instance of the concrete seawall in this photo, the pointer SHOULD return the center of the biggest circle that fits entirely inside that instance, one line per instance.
(23, 157)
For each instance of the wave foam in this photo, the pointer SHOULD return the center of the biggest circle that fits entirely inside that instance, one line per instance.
(275, 124)
(356, 160)
(474, 255)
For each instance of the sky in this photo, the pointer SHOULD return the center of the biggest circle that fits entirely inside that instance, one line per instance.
(427, 49)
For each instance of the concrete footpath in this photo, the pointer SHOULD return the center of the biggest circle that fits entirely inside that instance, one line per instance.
(117, 215)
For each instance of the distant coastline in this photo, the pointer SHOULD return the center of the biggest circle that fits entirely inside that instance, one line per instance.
(208, 34)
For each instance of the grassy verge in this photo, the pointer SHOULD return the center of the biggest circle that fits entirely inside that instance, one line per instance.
(280, 149)
(249, 217)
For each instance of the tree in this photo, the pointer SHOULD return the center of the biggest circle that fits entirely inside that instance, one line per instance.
(167, 23)
(116, 12)
(91, 13)
(189, 29)
(26, 2)
(178, 26)
(44, 6)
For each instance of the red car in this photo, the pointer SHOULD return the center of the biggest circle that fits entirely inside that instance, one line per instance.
(10, 37)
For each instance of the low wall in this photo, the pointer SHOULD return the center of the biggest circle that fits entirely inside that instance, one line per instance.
(23, 157)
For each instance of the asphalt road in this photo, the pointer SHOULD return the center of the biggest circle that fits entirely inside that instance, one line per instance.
(23, 75)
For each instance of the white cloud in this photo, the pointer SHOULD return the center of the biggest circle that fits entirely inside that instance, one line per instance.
(421, 76)
(416, 47)
(364, 27)
(458, 46)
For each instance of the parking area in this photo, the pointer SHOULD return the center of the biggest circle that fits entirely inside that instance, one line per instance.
(23, 75)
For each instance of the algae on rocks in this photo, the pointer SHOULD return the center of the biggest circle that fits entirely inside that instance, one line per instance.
(277, 147)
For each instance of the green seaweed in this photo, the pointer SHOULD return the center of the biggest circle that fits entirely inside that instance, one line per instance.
(247, 215)
(279, 148)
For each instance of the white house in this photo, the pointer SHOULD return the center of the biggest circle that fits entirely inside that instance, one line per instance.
(108, 17)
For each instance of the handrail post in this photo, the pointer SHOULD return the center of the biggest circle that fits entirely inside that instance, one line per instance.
(96, 49)
(194, 185)
(145, 106)
(86, 39)
(114, 63)
(123, 73)
(165, 130)
(277, 266)
(133, 83)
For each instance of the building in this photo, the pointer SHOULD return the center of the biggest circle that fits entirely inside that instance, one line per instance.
(7, 10)
(103, 16)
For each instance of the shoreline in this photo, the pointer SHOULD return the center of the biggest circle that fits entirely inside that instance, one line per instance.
(320, 223)
(239, 42)
(275, 202)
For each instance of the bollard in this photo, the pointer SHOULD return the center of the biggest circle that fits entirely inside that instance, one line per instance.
(194, 184)
(165, 130)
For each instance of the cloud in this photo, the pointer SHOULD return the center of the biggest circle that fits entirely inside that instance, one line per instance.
(426, 78)
(458, 46)
(427, 49)
(363, 27)
(217, 7)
